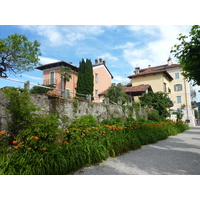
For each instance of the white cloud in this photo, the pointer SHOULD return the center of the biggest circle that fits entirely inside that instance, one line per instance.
(45, 60)
(157, 50)
(69, 35)
(31, 77)
(128, 45)
(108, 56)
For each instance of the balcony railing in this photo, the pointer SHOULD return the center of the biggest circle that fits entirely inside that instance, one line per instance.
(194, 104)
(50, 82)
(193, 93)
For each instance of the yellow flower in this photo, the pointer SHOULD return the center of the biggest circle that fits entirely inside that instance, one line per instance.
(29, 148)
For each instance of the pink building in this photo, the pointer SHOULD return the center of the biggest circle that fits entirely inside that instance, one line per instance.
(102, 77)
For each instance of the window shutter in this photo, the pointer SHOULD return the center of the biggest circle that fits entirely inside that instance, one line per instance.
(174, 87)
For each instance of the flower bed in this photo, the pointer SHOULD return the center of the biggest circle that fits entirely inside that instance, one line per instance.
(41, 149)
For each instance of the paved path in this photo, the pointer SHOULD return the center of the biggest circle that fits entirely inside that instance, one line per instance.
(178, 154)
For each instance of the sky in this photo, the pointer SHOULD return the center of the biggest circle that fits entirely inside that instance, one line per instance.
(123, 47)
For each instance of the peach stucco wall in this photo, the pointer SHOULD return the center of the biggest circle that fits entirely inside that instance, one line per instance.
(71, 85)
(103, 83)
(104, 80)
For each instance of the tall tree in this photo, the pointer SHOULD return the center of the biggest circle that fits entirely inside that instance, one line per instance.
(18, 54)
(65, 74)
(85, 82)
(158, 100)
(116, 93)
(188, 54)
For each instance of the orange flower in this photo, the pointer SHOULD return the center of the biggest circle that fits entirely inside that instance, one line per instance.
(35, 137)
(2, 132)
(59, 141)
(44, 148)
(16, 147)
(57, 133)
(66, 142)
(14, 142)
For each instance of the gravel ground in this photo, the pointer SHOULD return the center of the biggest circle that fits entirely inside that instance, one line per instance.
(178, 154)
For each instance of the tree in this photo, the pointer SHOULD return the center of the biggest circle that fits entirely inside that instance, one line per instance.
(17, 54)
(65, 74)
(188, 54)
(39, 90)
(158, 100)
(85, 82)
(116, 93)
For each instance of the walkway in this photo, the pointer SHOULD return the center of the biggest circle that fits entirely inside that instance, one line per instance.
(178, 154)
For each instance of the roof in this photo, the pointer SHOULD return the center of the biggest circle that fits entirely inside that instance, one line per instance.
(158, 69)
(103, 63)
(57, 64)
(137, 90)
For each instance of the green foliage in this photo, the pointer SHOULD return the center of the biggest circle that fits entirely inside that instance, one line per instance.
(179, 114)
(188, 53)
(65, 74)
(85, 82)
(21, 110)
(116, 93)
(40, 90)
(153, 115)
(158, 100)
(18, 54)
(84, 122)
(39, 147)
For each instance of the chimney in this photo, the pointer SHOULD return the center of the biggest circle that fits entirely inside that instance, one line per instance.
(96, 61)
(104, 62)
(100, 60)
(169, 61)
(149, 66)
(137, 70)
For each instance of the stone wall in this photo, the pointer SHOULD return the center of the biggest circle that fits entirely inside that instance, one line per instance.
(69, 109)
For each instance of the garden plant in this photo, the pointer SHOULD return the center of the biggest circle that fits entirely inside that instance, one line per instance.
(39, 147)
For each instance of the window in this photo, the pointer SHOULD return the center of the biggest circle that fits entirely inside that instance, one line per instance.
(96, 94)
(178, 99)
(96, 78)
(177, 75)
(165, 87)
(178, 87)
(51, 77)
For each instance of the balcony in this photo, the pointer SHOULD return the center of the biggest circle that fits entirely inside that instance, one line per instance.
(193, 93)
(50, 82)
(194, 104)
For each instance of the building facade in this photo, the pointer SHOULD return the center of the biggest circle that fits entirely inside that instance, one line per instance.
(168, 78)
(51, 76)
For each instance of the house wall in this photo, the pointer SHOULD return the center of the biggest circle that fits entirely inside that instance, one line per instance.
(185, 95)
(71, 85)
(155, 80)
(104, 80)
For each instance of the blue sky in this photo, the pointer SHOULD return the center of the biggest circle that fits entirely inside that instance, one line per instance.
(123, 47)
